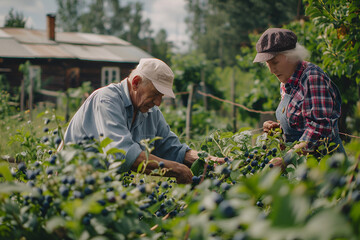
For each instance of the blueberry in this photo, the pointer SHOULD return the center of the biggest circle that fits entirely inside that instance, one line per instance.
(57, 140)
(30, 175)
(71, 180)
(225, 186)
(225, 171)
(144, 206)
(101, 202)
(50, 152)
(226, 209)
(271, 165)
(251, 156)
(107, 179)
(246, 154)
(111, 198)
(48, 198)
(266, 160)
(254, 163)
(52, 159)
(104, 212)
(87, 191)
(255, 151)
(226, 159)
(264, 147)
(101, 134)
(22, 167)
(165, 185)
(49, 171)
(86, 220)
(161, 164)
(90, 180)
(262, 165)
(253, 170)
(64, 191)
(123, 196)
(218, 198)
(142, 188)
(78, 194)
(46, 121)
(249, 167)
(46, 129)
(217, 183)
(259, 204)
(269, 153)
(274, 150)
(45, 139)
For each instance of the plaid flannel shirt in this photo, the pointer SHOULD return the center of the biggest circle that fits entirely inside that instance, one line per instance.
(315, 105)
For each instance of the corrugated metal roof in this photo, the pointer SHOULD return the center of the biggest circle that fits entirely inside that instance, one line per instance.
(47, 51)
(28, 43)
(11, 48)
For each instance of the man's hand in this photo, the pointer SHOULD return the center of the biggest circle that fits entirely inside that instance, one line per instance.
(182, 174)
(217, 159)
(268, 125)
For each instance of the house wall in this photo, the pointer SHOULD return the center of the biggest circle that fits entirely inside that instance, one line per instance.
(60, 74)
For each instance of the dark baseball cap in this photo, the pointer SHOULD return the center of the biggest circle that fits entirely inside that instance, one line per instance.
(273, 41)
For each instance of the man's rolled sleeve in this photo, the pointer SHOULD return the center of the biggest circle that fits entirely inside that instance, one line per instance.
(169, 147)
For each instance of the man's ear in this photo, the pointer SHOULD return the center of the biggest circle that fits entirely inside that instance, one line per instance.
(136, 82)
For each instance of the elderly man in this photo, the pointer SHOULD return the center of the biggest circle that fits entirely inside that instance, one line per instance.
(128, 112)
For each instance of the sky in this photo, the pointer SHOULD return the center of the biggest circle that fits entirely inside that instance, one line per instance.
(167, 14)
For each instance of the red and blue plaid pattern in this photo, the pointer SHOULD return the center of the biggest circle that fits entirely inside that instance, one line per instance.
(316, 103)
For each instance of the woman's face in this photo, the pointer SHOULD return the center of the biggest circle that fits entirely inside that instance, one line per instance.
(281, 67)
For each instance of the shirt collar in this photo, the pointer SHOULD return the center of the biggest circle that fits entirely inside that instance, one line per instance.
(294, 79)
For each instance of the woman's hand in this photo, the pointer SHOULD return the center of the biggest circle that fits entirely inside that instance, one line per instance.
(268, 125)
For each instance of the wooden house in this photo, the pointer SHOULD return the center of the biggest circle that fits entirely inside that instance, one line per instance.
(65, 59)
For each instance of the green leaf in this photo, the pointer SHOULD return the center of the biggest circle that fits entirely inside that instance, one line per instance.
(197, 167)
(106, 141)
(115, 150)
(5, 171)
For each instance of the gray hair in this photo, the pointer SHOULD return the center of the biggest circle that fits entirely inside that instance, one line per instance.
(299, 53)
(135, 72)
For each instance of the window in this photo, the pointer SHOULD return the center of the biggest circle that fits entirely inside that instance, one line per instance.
(109, 75)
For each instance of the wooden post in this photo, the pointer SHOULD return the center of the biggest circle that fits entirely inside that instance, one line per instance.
(22, 95)
(189, 111)
(31, 94)
(203, 86)
(233, 99)
(67, 111)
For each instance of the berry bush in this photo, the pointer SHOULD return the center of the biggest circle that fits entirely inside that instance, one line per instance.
(79, 192)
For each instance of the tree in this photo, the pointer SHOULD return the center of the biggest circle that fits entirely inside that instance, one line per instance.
(219, 28)
(335, 36)
(15, 19)
(111, 18)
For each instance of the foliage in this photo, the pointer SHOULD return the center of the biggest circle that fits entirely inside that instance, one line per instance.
(188, 69)
(110, 17)
(219, 28)
(76, 96)
(79, 193)
(15, 19)
(7, 109)
(335, 36)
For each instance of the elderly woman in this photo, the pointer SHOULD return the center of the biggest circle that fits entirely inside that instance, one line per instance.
(310, 102)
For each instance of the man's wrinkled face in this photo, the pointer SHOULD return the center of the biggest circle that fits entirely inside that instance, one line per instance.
(147, 96)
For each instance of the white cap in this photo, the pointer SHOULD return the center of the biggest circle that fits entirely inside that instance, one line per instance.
(159, 73)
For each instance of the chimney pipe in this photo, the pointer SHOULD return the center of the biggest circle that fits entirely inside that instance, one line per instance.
(51, 26)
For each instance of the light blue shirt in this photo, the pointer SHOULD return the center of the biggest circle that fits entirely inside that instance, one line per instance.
(109, 111)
